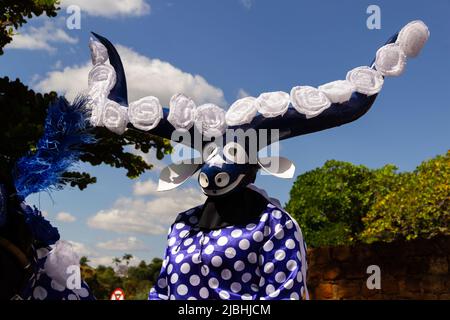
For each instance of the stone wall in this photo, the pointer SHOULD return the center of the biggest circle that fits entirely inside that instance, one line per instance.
(417, 269)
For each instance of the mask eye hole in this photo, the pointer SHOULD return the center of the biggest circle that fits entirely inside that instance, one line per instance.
(209, 151)
(222, 179)
(235, 153)
(203, 180)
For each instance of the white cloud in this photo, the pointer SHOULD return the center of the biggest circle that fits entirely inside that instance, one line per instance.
(111, 8)
(123, 244)
(247, 3)
(65, 217)
(41, 38)
(145, 76)
(147, 217)
(242, 94)
(145, 188)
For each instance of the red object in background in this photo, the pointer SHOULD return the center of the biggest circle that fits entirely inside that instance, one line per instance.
(117, 294)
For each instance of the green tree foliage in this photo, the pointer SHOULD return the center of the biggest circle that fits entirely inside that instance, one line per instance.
(419, 207)
(341, 203)
(13, 14)
(136, 284)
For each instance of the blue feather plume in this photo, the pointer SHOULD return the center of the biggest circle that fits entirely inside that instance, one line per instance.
(64, 133)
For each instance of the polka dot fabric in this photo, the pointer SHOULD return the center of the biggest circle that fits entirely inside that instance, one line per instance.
(264, 259)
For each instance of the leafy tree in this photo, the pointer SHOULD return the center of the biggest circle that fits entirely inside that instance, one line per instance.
(84, 261)
(418, 208)
(13, 14)
(329, 202)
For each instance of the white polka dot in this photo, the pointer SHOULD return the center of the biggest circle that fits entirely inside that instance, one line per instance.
(199, 234)
(236, 287)
(169, 231)
(82, 292)
(209, 249)
(174, 278)
(280, 277)
(271, 206)
(239, 265)
(289, 284)
(269, 289)
(268, 246)
(274, 294)
(188, 242)
(246, 277)
(183, 233)
(193, 220)
(276, 214)
(213, 283)
(182, 289)
(172, 297)
(246, 296)
(191, 249)
(252, 257)
(268, 267)
(236, 233)
(258, 236)
(222, 241)
(216, 233)
(216, 261)
(72, 297)
(165, 262)
(250, 226)
(189, 212)
(39, 293)
(299, 276)
(302, 291)
(257, 272)
(224, 295)
(205, 270)
(280, 255)
(254, 287)
(266, 231)
(226, 274)
(194, 280)
(179, 258)
(162, 283)
(289, 224)
(204, 240)
(230, 253)
(290, 244)
(169, 269)
(279, 232)
(56, 286)
(204, 293)
(261, 259)
(185, 268)
(171, 241)
(297, 235)
(180, 225)
(192, 298)
(299, 256)
(291, 265)
(294, 296)
(264, 217)
(244, 244)
(196, 258)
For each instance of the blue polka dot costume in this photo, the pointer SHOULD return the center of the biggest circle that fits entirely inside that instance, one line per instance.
(262, 260)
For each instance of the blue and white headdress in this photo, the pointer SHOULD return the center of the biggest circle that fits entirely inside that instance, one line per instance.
(228, 163)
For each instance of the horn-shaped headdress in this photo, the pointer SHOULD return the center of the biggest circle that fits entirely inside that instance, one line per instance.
(228, 154)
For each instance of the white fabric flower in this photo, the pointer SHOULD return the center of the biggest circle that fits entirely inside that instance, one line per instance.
(338, 91)
(210, 120)
(103, 75)
(99, 53)
(145, 113)
(181, 112)
(366, 80)
(273, 104)
(412, 37)
(115, 117)
(309, 101)
(97, 100)
(242, 111)
(58, 260)
(390, 60)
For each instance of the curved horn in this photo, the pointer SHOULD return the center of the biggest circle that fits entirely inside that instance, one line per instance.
(119, 92)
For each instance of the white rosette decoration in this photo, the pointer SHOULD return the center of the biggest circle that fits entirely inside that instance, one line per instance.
(115, 117)
(366, 80)
(181, 112)
(338, 91)
(145, 113)
(242, 111)
(273, 104)
(99, 53)
(210, 120)
(390, 60)
(59, 259)
(309, 101)
(412, 38)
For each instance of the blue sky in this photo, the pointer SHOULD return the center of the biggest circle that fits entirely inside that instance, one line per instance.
(235, 47)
